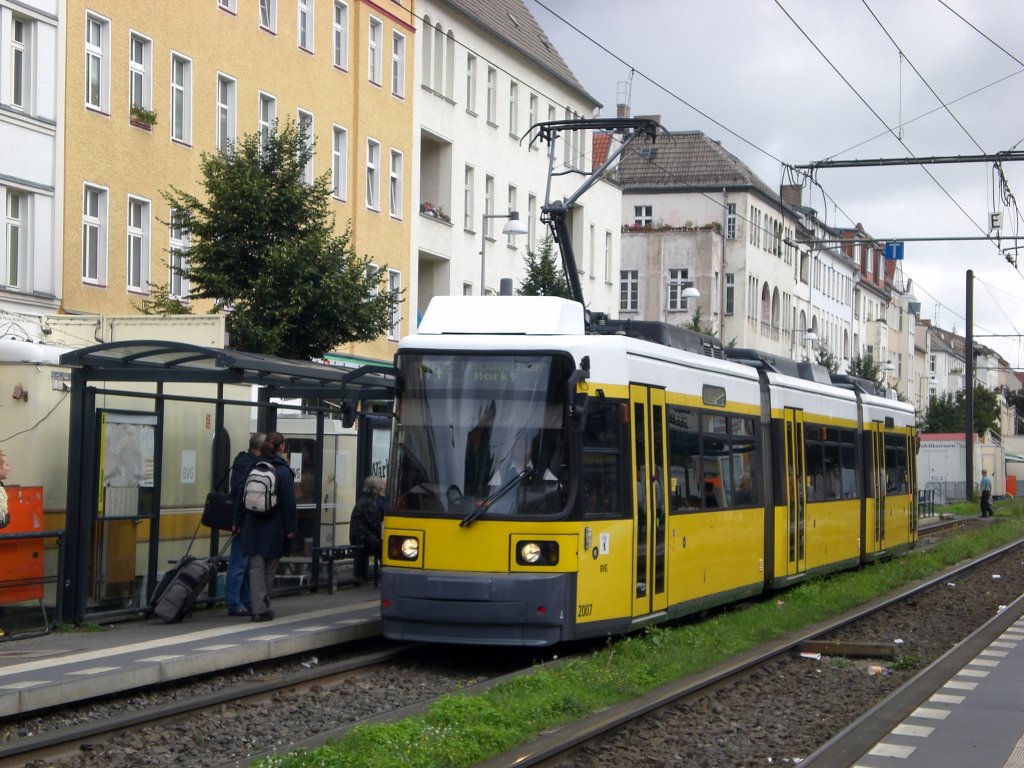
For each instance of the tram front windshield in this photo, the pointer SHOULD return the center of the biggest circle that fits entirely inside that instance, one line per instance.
(481, 435)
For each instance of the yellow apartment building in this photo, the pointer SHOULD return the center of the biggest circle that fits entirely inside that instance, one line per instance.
(210, 72)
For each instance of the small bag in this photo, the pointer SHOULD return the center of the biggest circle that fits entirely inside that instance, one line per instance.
(219, 511)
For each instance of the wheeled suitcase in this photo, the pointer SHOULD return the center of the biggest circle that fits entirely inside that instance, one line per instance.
(188, 581)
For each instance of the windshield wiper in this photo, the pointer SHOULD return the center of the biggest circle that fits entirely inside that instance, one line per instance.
(483, 505)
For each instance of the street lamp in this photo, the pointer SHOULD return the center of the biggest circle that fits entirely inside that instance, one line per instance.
(512, 227)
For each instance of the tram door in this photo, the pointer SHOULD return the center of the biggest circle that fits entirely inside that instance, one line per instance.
(650, 498)
(878, 483)
(796, 495)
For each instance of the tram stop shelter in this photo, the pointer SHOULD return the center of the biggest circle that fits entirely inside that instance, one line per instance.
(153, 428)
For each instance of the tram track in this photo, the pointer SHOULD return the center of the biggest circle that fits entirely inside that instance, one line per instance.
(586, 742)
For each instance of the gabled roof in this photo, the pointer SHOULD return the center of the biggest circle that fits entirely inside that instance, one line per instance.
(511, 22)
(685, 161)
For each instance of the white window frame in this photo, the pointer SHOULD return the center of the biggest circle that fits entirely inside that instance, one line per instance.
(730, 221)
(97, 63)
(607, 256)
(305, 11)
(373, 174)
(266, 117)
(20, 62)
(94, 221)
(513, 109)
(268, 15)
(677, 279)
(181, 98)
(178, 239)
(339, 163)
(304, 120)
(395, 186)
(492, 95)
(531, 217)
(629, 290)
(137, 245)
(471, 84)
(226, 111)
(468, 187)
(394, 322)
(231, 6)
(730, 293)
(532, 114)
(643, 215)
(13, 247)
(140, 71)
(374, 59)
(340, 37)
(398, 64)
(513, 199)
(488, 205)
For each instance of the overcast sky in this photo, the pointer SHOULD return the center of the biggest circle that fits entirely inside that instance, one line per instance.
(744, 73)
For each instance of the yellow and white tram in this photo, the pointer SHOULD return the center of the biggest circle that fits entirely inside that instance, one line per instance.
(550, 483)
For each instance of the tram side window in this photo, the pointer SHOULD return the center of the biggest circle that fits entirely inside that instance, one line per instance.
(814, 462)
(683, 458)
(744, 453)
(603, 454)
(895, 464)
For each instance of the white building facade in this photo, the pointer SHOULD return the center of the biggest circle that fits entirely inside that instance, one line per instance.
(485, 72)
(31, 82)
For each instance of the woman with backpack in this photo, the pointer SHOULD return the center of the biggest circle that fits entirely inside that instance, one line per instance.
(269, 521)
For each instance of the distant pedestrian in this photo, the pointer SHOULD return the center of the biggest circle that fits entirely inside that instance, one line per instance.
(366, 523)
(985, 486)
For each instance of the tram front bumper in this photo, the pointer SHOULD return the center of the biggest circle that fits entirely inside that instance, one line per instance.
(474, 608)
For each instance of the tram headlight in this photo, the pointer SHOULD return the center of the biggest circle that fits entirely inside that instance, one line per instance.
(403, 547)
(537, 553)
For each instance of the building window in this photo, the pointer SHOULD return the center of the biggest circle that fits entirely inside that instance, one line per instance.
(181, 99)
(94, 235)
(341, 35)
(14, 239)
(374, 60)
(394, 286)
(488, 204)
(607, 256)
(492, 96)
(138, 244)
(643, 215)
(268, 15)
(730, 293)
(730, 221)
(395, 187)
(471, 84)
(225, 112)
(467, 199)
(513, 109)
(97, 63)
(268, 118)
(304, 24)
(398, 65)
(339, 164)
(177, 283)
(678, 280)
(140, 67)
(231, 6)
(532, 116)
(20, 59)
(372, 175)
(629, 290)
(305, 120)
(531, 217)
(513, 195)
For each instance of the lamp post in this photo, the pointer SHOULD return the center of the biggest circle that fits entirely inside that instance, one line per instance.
(512, 227)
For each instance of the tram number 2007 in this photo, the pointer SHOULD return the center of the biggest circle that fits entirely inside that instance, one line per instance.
(585, 610)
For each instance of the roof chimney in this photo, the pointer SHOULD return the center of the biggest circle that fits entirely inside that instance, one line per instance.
(792, 194)
(622, 108)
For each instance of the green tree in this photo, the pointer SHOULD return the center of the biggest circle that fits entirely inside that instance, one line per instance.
(160, 302)
(544, 273)
(866, 368)
(946, 413)
(263, 247)
(695, 323)
(827, 358)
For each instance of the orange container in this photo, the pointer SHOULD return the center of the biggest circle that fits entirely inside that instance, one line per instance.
(21, 560)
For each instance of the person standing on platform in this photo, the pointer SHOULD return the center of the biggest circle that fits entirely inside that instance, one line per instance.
(267, 539)
(985, 486)
(366, 522)
(5, 515)
(237, 582)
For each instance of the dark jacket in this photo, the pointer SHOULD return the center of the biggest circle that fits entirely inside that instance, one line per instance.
(240, 469)
(366, 522)
(267, 536)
